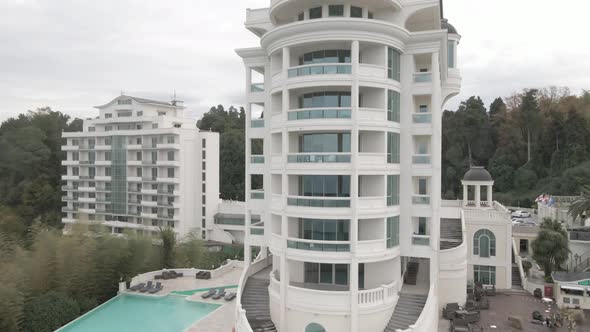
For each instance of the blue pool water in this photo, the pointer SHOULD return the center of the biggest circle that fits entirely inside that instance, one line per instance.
(127, 312)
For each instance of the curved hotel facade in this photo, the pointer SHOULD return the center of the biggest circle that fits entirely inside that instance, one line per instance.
(343, 167)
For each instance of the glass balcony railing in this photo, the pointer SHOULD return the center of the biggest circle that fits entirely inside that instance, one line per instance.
(256, 231)
(421, 159)
(423, 77)
(302, 244)
(319, 114)
(328, 202)
(422, 118)
(257, 159)
(421, 199)
(322, 69)
(257, 194)
(257, 87)
(257, 123)
(318, 158)
(421, 240)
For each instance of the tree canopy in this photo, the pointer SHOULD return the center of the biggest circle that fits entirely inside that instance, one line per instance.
(532, 142)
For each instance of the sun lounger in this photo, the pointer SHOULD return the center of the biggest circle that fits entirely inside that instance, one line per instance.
(156, 289)
(137, 287)
(146, 287)
(230, 296)
(220, 293)
(208, 294)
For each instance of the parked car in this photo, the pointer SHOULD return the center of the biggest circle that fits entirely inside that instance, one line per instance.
(529, 223)
(521, 214)
(516, 221)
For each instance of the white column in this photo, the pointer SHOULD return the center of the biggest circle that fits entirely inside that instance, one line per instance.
(286, 61)
(477, 195)
(354, 190)
(247, 216)
(465, 194)
(489, 196)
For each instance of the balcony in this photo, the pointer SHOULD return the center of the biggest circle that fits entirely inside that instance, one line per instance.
(421, 159)
(102, 147)
(149, 191)
(372, 204)
(257, 87)
(168, 163)
(70, 162)
(169, 146)
(103, 162)
(149, 162)
(320, 69)
(422, 118)
(372, 114)
(323, 202)
(257, 159)
(315, 245)
(70, 177)
(421, 199)
(423, 77)
(420, 240)
(67, 209)
(102, 178)
(372, 71)
(257, 123)
(256, 230)
(330, 157)
(70, 147)
(257, 194)
(319, 113)
(149, 215)
(86, 162)
(368, 247)
(149, 203)
(86, 177)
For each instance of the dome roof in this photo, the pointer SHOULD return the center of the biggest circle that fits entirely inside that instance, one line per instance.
(445, 25)
(477, 173)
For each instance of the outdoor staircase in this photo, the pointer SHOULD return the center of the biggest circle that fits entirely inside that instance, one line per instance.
(451, 234)
(411, 276)
(407, 310)
(516, 282)
(255, 300)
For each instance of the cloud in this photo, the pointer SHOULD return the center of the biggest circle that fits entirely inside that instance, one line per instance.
(74, 54)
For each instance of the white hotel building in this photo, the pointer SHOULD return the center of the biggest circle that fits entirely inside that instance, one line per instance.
(142, 165)
(343, 171)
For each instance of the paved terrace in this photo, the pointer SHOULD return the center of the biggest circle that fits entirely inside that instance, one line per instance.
(221, 319)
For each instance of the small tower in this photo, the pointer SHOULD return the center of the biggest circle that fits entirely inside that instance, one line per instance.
(475, 178)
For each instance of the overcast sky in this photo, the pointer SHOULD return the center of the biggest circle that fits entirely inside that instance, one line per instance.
(75, 54)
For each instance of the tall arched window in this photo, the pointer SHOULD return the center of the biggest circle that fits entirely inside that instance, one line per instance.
(314, 327)
(484, 243)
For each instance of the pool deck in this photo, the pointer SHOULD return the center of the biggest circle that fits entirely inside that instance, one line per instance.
(222, 319)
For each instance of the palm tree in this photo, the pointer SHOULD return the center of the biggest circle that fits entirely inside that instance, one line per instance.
(581, 206)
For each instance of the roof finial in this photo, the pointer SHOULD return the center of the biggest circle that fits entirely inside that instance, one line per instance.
(122, 92)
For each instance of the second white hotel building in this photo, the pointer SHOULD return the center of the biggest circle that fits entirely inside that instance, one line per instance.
(345, 100)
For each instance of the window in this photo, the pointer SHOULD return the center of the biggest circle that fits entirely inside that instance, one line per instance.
(336, 10)
(204, 176)
(139, 172)
(124, 102)
(356, 12)
(75, 171)
(203, 223)
(108, 115)
(392, 190)
(422, 186)
(92, 156)
(107, 171)
(484, 274)
(91, 143)
(370, 15)
(138, 155)
(154, 126)
(124, 114)
(204, 199)
(393, 106)
(177, 125)
(107, 141)
(170, 172)
(161, 113)
(423, 109)
(154, 173)
(301, 16)
(393, 64)
(91, 172)
(204, 166)
(422, 222)
(154, 155)
(333, 142)
(392, 232)
(75, 142)
(325, 99)
(138, 127)
(451, 53)
(393, 148)
(139, 113)
(203, 211)
(324, 185)
(204, 154)
(108, 128)
(107, 155)
(204, 187)
(324, 230)
(170, 155)
(75, 156)
(91, 129)
(204, 143)
(334, 274)
(315, 12)
(484, 243)
(325, 56)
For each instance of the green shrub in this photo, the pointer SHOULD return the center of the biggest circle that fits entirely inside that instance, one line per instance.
(49, 312)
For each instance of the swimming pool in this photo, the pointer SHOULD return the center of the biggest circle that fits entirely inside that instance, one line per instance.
(128, 312)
